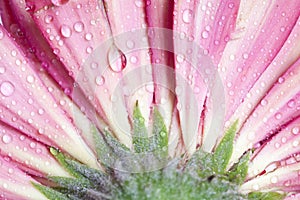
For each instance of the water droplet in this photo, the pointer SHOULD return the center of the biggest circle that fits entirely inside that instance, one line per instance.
(6, 139)
(78, 27)
(230, 5)
(30, 79)
(163, 133)
(65, 31)
(99, 80)
(133, 59)
(48, 19)
(180, 58)
(7, 88)
(295, 130)
(116, 59)
(281, 80)
(130, 44)
(278, 116)
(88, 36)
(2, 70)
(204, 34)
(291, 103)
(245, 56)
(274, 179)
(59, 2)
(231, 57)
(139, 3)
(187, 16)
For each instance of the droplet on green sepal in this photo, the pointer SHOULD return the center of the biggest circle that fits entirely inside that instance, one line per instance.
(223, 152)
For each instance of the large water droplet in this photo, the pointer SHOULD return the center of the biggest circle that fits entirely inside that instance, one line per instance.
(187, 16)
(78, 27)
(59, 2)
(205, 34)
(7, 88)
(65, 31)
(116, 59)
(6, 139)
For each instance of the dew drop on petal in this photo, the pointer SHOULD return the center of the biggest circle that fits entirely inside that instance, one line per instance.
(30, 79)
(59, 2)
(204, 34)
(291, 103)
(99, 80)
(133, 59)
(180, 58)
(2, 70)
(130, 44)
(88, 36)
(6, 139)
(187, 16)
(48, 19)
(139, 3)
(65, 31)
(78, 27)
(7, 88)
(116, 59)
(295, 130)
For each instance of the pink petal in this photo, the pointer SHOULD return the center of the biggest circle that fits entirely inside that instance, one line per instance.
(19, 23)
(285, 144)
(160, 38)
(30, 102)
(278, 108)
(15, 184)
(28, 152)
(262, 29)
(288, 54)
(83, 42)
(284, 178)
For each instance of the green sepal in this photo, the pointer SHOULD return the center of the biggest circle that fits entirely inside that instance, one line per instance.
(61, 158)
(223, 152)
(96, 177)
(266, 196)
(160, 135)
(140, 136)
(50, 193)
(70, 183)
(239, 171)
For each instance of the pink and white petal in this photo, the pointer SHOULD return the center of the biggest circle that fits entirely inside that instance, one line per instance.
(28, 152)
(280, 147)
(284, 178)
(15, 184)
(125, 19)
(157, 12)
(25, 95)
(84, 35)
(289, 53)
(280, 106)
(19, 23)
(262, 29)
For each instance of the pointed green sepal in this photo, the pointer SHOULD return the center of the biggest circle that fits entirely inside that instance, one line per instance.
(61, 158)
(223, 152)
(50, 193)
(239, 171)
(266, 196)
(140, 136)
(160, 135)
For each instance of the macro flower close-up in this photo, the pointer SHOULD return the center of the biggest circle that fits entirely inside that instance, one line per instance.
(149, 99)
